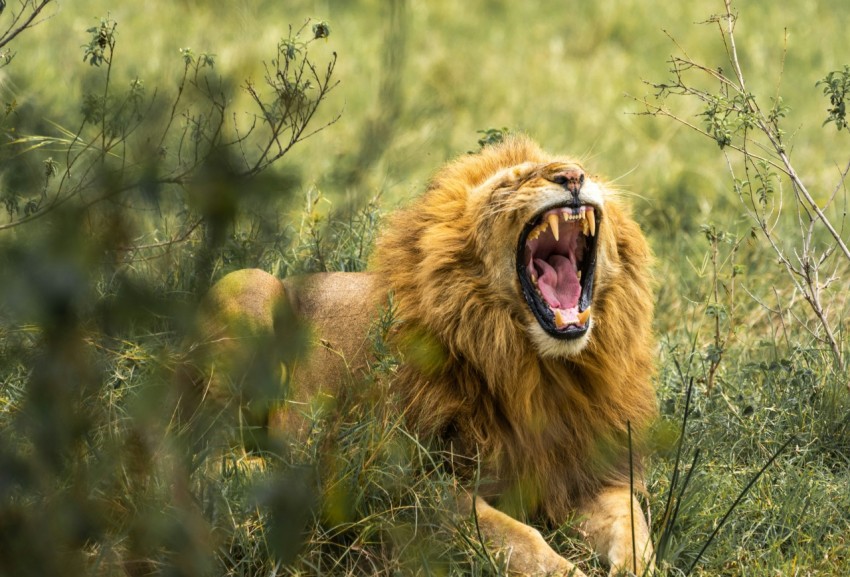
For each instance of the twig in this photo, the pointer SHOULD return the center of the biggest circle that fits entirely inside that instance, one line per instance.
(28, 22)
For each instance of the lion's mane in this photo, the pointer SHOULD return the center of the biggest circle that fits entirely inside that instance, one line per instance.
(548, 431)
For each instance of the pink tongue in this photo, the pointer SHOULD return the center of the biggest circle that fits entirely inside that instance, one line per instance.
(558, 282)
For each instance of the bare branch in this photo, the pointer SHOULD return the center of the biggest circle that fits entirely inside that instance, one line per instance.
(20, 22)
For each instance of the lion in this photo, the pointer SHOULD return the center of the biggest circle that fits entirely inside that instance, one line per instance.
(527, 283)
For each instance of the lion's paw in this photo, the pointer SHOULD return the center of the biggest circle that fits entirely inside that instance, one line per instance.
(534, 557)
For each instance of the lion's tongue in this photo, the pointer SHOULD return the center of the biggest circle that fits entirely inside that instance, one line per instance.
(558, 282)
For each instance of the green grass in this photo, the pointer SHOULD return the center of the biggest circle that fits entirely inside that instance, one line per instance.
(101, 473)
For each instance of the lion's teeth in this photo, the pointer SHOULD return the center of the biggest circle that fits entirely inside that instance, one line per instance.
(559, 320)
(538, 230)
(584, 315)
(553, 222)
(591, 222)
(585, 227)
(541, 228)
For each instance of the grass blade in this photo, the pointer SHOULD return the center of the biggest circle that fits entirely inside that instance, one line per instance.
(736, 502)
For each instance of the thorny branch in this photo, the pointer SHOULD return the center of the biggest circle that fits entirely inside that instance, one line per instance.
(734, 119)
(773, 135)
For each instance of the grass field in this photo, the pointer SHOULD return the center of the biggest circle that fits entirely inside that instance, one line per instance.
(123, 204)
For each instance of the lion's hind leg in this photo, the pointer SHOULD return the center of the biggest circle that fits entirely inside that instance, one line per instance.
(245, 335)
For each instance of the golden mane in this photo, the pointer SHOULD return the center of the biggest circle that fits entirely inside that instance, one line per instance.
(549, 431)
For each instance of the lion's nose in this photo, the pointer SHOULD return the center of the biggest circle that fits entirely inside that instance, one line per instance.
(572, 179)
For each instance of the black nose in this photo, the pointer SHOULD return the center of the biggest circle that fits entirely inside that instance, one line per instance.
(571, 179)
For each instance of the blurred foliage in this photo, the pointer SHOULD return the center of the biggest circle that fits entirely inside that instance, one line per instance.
(146, 153)
(492, 136)
(113, 229)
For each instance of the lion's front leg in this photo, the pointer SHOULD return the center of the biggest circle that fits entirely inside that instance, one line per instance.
(528, 553)
(608, 525)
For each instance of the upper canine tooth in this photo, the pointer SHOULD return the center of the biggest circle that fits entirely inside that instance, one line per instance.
(553, 222)
(585, 227)
(591, 221)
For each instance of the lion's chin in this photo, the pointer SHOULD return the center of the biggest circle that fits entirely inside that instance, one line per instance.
(550, 347)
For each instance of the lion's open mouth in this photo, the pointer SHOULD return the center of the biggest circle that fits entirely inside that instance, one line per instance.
(556, 259)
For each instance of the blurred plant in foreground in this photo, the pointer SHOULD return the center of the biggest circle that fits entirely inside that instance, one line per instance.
(111, 228)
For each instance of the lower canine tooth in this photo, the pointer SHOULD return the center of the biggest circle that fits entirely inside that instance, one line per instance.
(584, 315)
